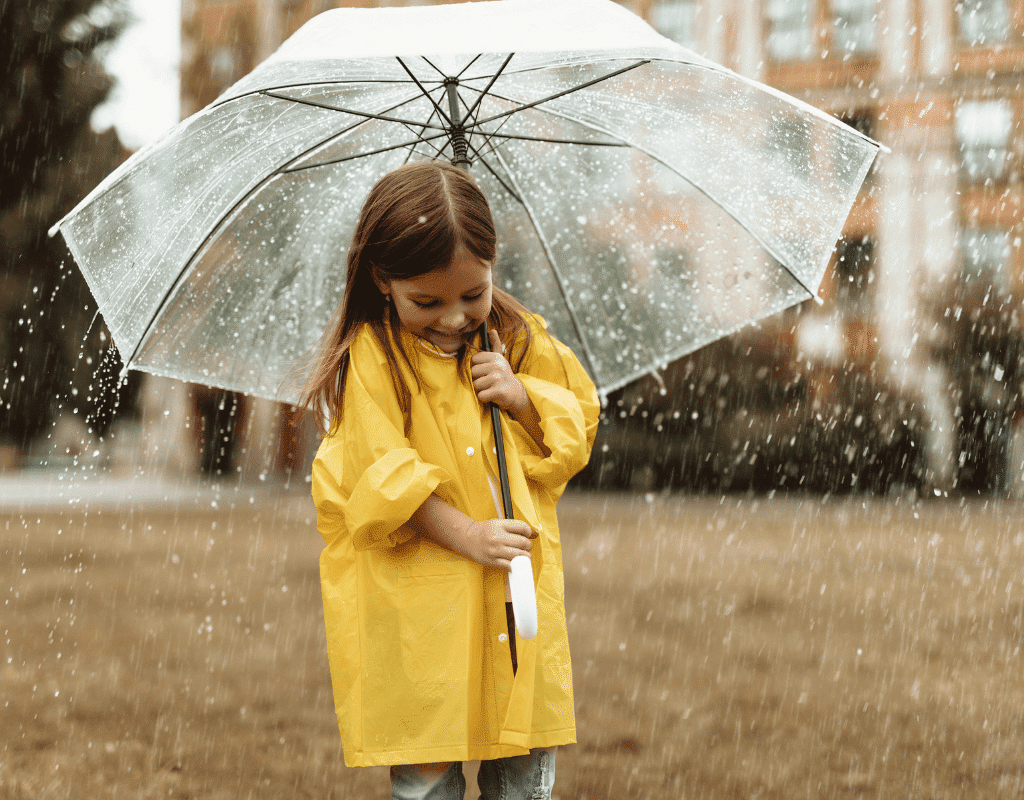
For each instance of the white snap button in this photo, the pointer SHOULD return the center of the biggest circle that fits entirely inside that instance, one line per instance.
(470, 451)
(502, 637)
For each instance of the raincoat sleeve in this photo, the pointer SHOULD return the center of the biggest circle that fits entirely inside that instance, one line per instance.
(367, 478)
(566, 400)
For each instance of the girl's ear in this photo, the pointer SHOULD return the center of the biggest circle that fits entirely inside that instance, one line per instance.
(383, 283)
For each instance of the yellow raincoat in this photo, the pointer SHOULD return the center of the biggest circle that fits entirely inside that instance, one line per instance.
(417, 634)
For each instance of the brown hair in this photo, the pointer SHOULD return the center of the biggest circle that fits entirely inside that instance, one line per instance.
(414, 221)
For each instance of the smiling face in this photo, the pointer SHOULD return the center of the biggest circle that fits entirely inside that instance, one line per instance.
(446, 305)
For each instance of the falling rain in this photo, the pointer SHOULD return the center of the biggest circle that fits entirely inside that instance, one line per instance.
(792, 565)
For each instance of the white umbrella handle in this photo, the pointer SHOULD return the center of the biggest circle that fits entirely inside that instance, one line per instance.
(524, 596)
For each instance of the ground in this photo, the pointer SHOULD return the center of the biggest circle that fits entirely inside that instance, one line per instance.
(723, 647)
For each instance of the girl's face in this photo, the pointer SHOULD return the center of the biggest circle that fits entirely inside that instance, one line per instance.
(446, 305)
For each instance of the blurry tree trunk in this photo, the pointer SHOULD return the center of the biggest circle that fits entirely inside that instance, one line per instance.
(50, 81)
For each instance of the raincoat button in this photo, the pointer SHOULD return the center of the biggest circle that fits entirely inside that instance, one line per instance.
(502, 637)
(470, 451)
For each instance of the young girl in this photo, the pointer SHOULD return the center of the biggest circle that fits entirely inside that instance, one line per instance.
(414, 569)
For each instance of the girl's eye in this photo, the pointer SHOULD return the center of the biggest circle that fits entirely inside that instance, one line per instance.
(427, 304)
(476, 296)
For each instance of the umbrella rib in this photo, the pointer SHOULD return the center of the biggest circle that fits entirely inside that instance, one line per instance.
(307, 85)
(281, 170)
(720, 203)
(489, 137)
(437, 69)
(438, 150)
(589, 62)
(409, 124)
(357, 113)
(464, 119)
(284, 168)
(399, 146)
(486, 89)
(497, 177)
(577, 327)
(555, 96)
(471, 63)
(496, 132)
(426, 94)
(552, 140)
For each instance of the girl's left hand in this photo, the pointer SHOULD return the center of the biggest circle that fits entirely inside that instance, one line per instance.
(494, 380)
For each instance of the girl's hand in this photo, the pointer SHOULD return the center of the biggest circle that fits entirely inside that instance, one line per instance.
(495, 542)
(494, 380)
(491, 542)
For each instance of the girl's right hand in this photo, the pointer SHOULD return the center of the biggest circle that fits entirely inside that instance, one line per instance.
(495, 542)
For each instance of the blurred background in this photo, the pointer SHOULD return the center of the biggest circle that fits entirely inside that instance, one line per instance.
(906, 380)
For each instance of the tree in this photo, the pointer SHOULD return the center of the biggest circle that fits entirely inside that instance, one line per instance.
(51, 79)
(979, 336)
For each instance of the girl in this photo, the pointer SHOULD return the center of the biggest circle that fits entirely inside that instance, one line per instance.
(426, 668)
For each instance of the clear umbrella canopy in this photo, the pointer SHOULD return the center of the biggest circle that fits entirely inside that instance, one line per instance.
(647, 200)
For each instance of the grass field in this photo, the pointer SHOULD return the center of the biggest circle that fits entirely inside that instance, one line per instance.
(723, 648)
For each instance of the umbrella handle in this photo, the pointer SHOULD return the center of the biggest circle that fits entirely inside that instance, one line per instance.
(524, 596)
(520, 579)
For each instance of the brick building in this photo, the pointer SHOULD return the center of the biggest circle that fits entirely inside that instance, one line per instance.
(937, 225)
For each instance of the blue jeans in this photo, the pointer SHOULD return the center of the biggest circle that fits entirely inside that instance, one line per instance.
(529, 777)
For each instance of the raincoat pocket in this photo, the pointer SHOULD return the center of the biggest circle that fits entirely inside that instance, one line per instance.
(433, 619)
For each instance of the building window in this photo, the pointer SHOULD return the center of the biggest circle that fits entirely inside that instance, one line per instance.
(983, 135)
(790, 29)
(674, 19)
(985, 255)
(855, 274)
(853, 25)
(983, 21)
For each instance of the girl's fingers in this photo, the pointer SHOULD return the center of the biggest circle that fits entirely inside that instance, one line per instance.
(496, 345)
(502, 540)
(486, 363)
(485, 380)
(504, 561)
(519, 528)
(509, 549)
(521, 543)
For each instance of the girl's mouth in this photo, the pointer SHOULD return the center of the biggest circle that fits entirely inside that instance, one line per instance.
(450, 342)
(460, 334)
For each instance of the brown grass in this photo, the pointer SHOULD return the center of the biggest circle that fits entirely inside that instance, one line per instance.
(723, 648)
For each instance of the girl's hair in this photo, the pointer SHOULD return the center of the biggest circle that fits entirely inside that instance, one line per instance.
(414, 221)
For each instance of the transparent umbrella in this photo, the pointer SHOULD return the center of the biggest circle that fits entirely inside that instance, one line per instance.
(648, 201)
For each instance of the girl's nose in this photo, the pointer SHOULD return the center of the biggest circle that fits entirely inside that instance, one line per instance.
(455, 319)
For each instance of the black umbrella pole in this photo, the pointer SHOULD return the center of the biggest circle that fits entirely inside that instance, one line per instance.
(499, 442)
(457, 132)
(460, 148)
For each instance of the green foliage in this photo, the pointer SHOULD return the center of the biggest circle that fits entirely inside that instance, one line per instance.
(51, 79)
